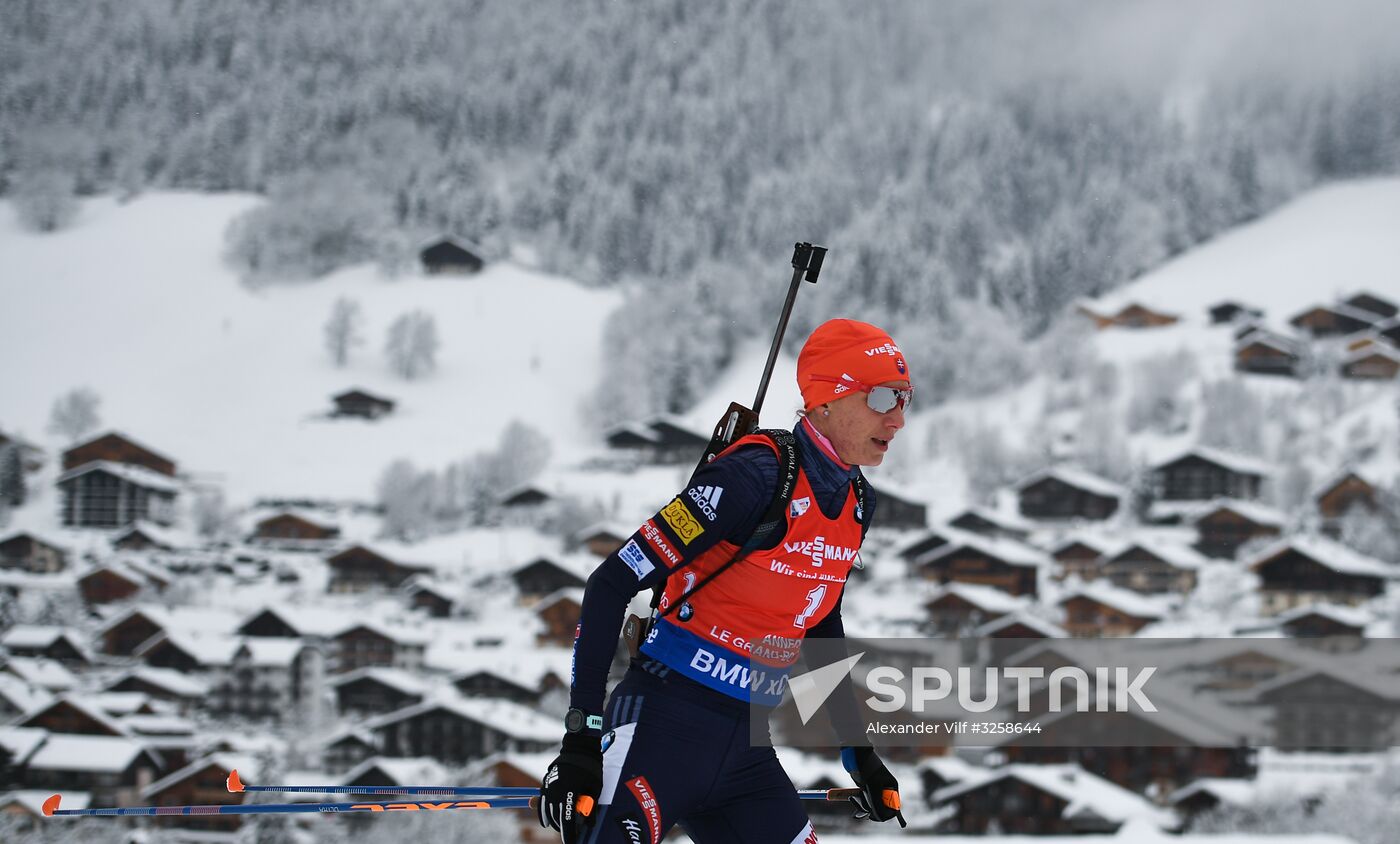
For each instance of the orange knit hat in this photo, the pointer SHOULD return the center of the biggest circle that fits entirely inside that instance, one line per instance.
(844, 347)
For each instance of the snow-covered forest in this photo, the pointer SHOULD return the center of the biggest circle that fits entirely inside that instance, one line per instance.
(1017, 157)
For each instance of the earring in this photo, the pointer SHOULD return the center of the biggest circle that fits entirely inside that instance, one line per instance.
(826, 411)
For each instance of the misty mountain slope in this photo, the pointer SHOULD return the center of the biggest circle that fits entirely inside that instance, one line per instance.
(233, 384)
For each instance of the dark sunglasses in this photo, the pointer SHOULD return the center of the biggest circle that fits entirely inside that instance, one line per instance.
(878, 399)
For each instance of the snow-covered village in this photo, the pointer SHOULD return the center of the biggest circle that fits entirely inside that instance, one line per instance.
(348, 347)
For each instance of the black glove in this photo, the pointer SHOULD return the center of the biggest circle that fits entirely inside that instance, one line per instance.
(879, 791)
(570, 788)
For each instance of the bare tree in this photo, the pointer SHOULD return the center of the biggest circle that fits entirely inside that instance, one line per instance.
(74, 414)
(342, 330)
(412, 345)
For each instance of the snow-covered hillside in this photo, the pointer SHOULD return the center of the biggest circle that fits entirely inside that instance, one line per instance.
(233, 384)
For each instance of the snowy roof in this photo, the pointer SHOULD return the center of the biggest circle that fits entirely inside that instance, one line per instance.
(525, 667)
(1234, 462)
(245, 763)
(190, 619)
(1000, 518)
(516, 721)
(269, 651)
(1078, 478)
(159, 725)
(207, 651)
(1013, 552)
(88, 706)
(565, 593)
(32, 801)
(1261, 514)
(19, 742)
(1342, 309)
(138, 475)
(169, 679)
(160, 534)
(420, 770)
(29, 636)
(1386, 686)
(20, 695)
(1085, 793)
(1336, 478)
(1105, 545)
(397, 633)
(987, 598)
(1375, 350)
(118, 704)
(1124, 600)
(42, 672)
(1330, 554)
(395, 679)
(1044, 628)
(1179, 556)
(1350, 616)
(1234, 792)
(105, 754)
(310, 620)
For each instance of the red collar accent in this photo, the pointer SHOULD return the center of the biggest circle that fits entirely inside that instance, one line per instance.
(824, 444)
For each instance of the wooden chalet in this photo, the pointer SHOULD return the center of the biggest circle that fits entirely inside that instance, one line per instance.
(57, 643)
(361, 405)
(118, 448)
(203, 783)
(1036, 800)
(1372, 363)
(455, 732)
(602, 540)
(314, 624)
(112, 769)
(361, 569)
(1262, 353)
(1229, 311)
(1332, 710)
(1389, 331)
(1225, 525)
(542, 577)
(1370, 303)
(898, 509)
(123, 635)
(382, 771)
(631, 437)
(1063, 492)
(1313, 570)
(991, 524)
(370, 645)
(1208, 794)
(1203, 474)
(488, 683)
(676, 443)
(1007, 565)
(1081, 556)
(367, 692)
(559, 614)
(31, 457)
(27, 552)
(268, 680)
(179, 651)
(925, 542)
(1131, 315)
(1098, 610)
(144, 536)
(344, 750)
(73, 716)
(526, 497)
(290, 526)
(1325, 621)
(1339, 494)
(432, 598)
(1153, 568)
(186, 693)
(1333, 320)
(957, 608)
(115, 581)
(452, 255)
(103, 494)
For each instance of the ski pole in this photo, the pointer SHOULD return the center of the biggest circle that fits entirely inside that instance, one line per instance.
(235, 784)
(51, 808)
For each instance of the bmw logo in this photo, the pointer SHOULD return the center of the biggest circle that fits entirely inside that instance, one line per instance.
(686, 612)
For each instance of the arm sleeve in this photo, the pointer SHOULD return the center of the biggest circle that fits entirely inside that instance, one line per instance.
(736, 490)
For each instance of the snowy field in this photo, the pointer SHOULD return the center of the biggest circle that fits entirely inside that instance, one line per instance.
(233, 384)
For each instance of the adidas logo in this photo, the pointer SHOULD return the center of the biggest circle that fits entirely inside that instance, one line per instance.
(707, 498)
(841, 388)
